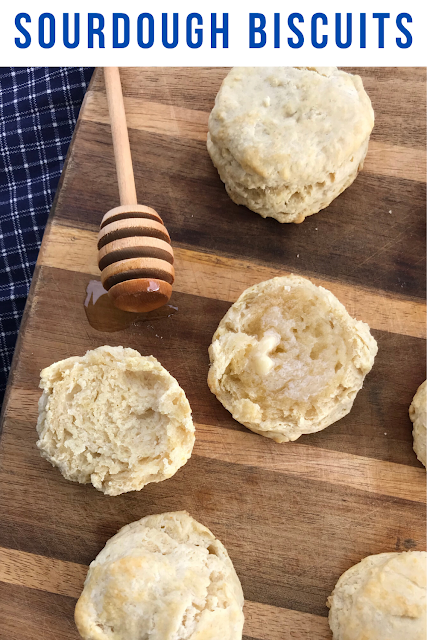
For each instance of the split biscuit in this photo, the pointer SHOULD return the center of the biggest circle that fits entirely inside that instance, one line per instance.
(288, 359)
(113, 418)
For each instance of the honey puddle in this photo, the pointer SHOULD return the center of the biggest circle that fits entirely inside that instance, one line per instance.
(103, 316)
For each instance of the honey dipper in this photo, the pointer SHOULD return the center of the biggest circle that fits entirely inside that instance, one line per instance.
(134, 252)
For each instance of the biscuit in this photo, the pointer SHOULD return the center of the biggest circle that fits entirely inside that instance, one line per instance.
(418, 415)
(164, 577)
(286, 141)
(381, 598)
(288, 359)
(114, 418)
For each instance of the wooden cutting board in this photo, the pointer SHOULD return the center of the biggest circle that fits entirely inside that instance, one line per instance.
(293, 516)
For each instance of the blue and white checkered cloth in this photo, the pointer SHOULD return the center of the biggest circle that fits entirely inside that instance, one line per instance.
(38, 112)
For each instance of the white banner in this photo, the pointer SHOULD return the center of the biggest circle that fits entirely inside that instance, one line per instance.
(184, 33)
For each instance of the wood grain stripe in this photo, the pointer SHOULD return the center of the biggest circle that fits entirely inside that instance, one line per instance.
(398, 162)
(42, 573)
(382, 159)
(154, 117)
(224, 279)
(271, 623)
(292, 458)
(312, 463)
(66, 578)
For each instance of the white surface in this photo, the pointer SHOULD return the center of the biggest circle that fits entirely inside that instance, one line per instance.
(238, 52)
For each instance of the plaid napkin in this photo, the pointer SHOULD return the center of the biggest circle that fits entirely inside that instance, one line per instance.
(38, 112)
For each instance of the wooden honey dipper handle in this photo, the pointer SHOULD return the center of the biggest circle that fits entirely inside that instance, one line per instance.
(120, 135)
(135, 256)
